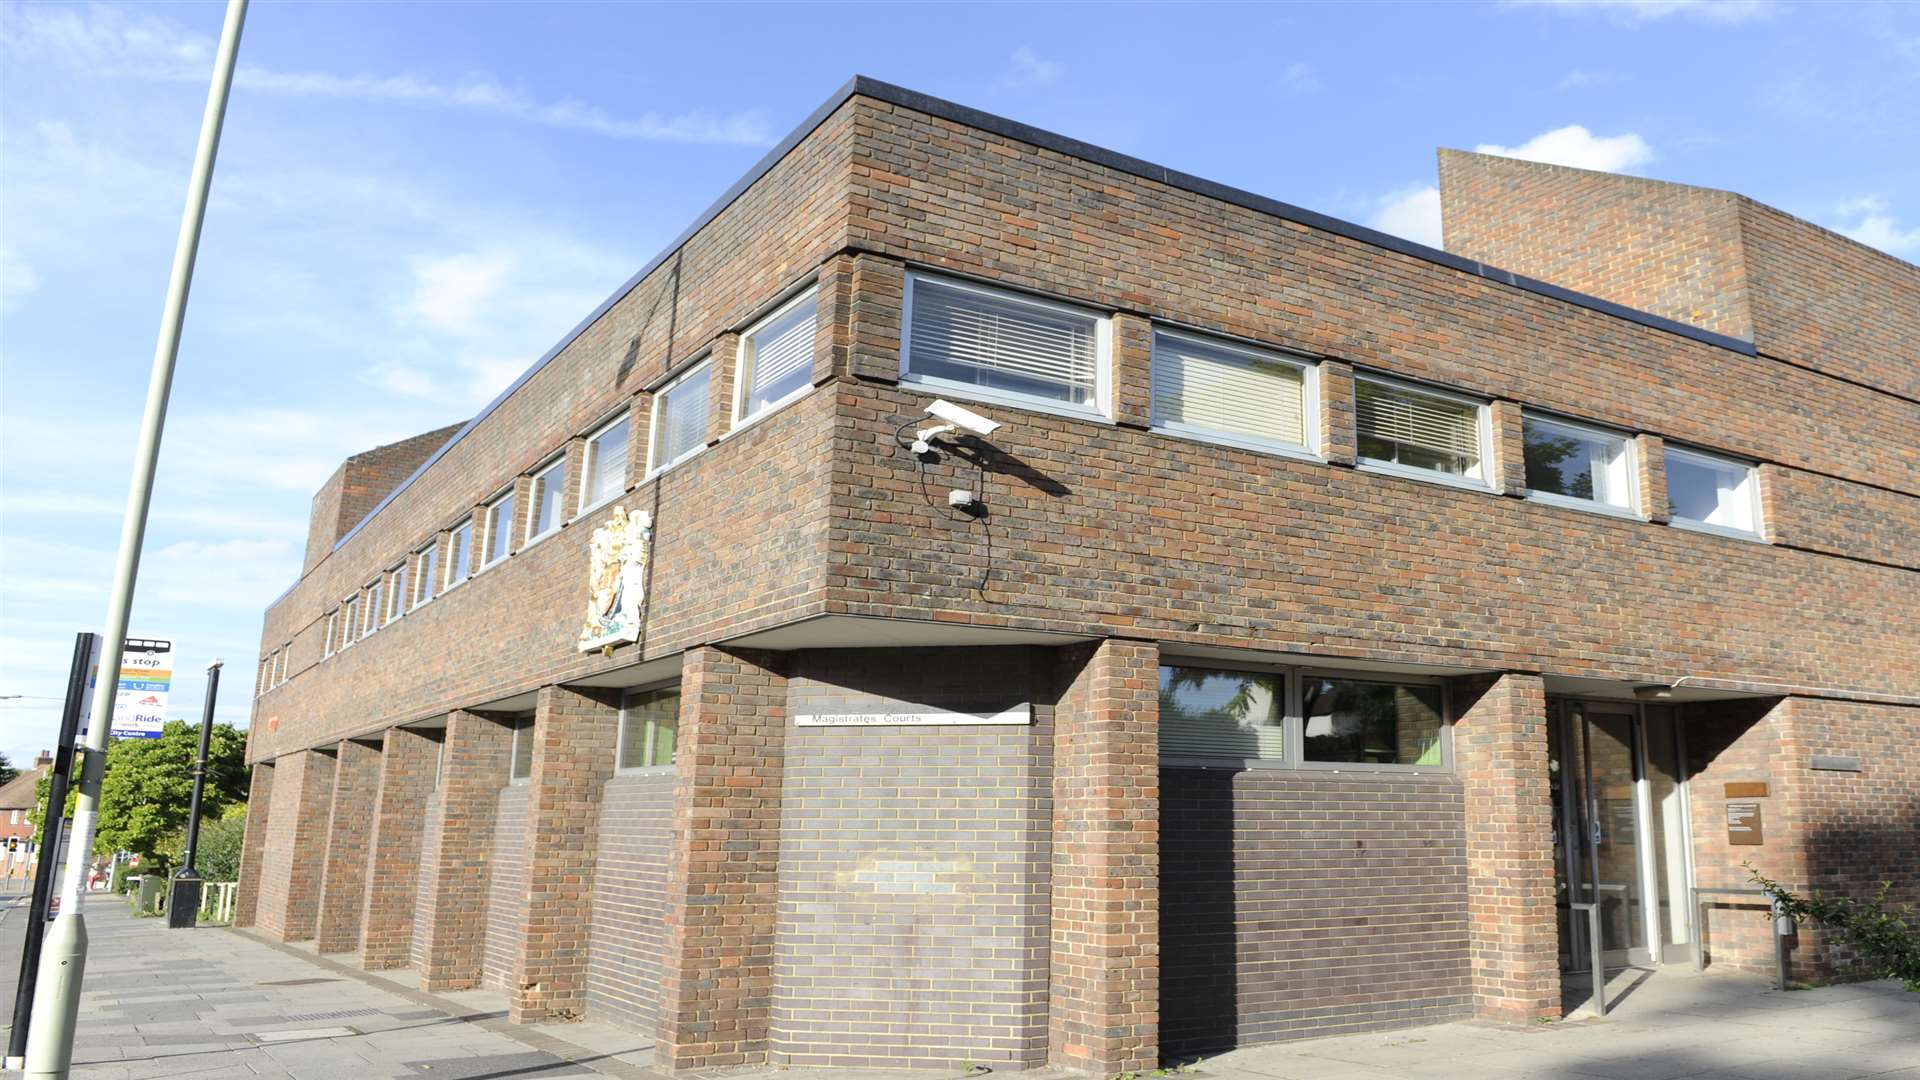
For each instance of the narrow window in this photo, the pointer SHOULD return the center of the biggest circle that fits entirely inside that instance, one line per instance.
(1714, 493)
(286, 652)
(499, 529)
(649, 726)
(521, 764)
(1230, 392)
(397, 593)
(549, 488)
(460, 554)
(429, 577)
(349, 629)
(333, 624)
(605, 475)
(680, 418)
(264, 680)
(1374, 723)
(1003, 346)
(373, 609)
(1568, 463)
(776, 357)
(1212, 713)
(1418, 430)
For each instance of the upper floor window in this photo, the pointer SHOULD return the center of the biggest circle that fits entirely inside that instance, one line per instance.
(605, 474)
(680, 417)
(1231, 393)
(499, 529)
(549, 488)
(1003, 346)
(264, 681)
(333, 631)
(776, 358)
(286, 655)
(1570, 463)
(1420, 431)
(1303, 719)
(349, 626)
(460, 554)
(397, 593)
(520, 764)
(1714, 493)
(370, 613)
(649, 726)
(428, 577)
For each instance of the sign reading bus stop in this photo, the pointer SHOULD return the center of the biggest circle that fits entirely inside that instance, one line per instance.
(140, 696)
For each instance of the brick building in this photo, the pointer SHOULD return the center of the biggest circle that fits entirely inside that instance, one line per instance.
(1324, 616)
(19, 840)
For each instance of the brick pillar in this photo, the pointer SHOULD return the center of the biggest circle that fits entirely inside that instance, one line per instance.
(724, 365)
(246, 896)
(879, 297)
(1500, 750)
(1650, 462)
(716, 979)
(290, 865)
(1507, 471)
(343, 872)
(1104, 1001)
(1337, 438)
(407, 760)
(832, 319)
(1132, 370)
(574, 736)
(478, 748)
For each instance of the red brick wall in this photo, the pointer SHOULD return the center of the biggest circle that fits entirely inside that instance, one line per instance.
(253, 846)
(458, 878)
(295, 845)
(344, 867)
(360, 483)
(408, 758)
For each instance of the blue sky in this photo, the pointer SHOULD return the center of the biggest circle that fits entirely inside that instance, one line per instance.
(414, 201)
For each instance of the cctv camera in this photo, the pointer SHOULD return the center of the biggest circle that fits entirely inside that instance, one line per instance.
(963, 418)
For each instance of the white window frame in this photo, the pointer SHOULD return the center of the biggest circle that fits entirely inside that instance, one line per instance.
(424, 579)
(654, 430)
(1309, 392)
(1483, 412)
(1592, 506)
(620, 733)
(286, 657)
(1757, 534)
(1102, 407)
(587, 461)
(1293, 720)
(333, 622)
(373, 602)
(533, 504)
(447, 583)
(740, 419)
(350, 608)
(493, 526)
(398, 579)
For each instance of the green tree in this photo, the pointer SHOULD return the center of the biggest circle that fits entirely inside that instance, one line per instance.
(219, 856)
(149, 784)
(8, 773)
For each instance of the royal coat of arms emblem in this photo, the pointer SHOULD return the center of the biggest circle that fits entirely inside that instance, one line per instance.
(617, 579)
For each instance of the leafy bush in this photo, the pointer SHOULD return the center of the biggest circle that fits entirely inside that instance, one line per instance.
(219, 856)
(1884, 933)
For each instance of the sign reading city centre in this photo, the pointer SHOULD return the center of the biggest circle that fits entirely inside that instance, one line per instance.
(1018, 714)
(140, 693)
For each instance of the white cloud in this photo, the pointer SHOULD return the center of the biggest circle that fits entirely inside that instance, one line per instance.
(1640, 12)
(1579, 148)
(1412, 213)
(1027, 69)
(1299, 79)
(106, 41)
(1873, 225)
(450, 292)
(1577, 78)
(17, 279)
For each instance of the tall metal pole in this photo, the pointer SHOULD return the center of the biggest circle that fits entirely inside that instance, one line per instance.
(183, 906)
(84, 648)
(64, 961)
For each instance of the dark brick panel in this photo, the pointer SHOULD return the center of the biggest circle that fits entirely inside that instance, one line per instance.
(629, 888)
(506, 888)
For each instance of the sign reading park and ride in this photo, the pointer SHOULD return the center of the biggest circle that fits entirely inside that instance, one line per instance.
(140, 693)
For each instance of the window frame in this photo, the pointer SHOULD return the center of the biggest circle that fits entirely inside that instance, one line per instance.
(423, 577)
(1102, 408)
(398, 578)
(494, 524)
(1757, 534)
(655, 431)
(1630, 452)
(373, 603)
(534, 487)
(350, 608)
(620, 733)
(1309, 396)
(448, 584)
(809, 293)
(520, 725)
(1483, 409)
(327, 645)
(587, 460)
(1293, 720)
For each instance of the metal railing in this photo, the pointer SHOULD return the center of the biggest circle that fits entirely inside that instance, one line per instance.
(1782, 928)
(1593, 943)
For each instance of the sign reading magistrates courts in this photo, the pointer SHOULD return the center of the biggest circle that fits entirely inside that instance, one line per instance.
(1018, 714)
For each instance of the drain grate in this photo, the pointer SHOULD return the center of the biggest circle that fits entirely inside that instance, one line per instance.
(302, 1034)
(339, 1014)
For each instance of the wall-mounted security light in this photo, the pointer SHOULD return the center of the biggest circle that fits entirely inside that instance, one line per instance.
(957, 419)
(1653, 692)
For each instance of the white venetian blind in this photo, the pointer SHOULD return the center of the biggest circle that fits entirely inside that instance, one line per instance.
(1417, 420)
(973, 337)
(1228, 391)
(683, 418)
(1220, 714)
(779, 357)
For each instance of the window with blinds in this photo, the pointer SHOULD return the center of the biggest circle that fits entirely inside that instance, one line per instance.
(1002, 345)
(1398, 425)
(776, 357)
(1211, 713)
(606, 468)
(680, 417)
(1212, 389)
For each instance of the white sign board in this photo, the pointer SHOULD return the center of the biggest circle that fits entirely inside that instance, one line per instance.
(1019, 714)
(140, 699)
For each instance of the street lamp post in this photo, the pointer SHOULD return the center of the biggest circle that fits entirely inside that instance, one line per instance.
(183, 906)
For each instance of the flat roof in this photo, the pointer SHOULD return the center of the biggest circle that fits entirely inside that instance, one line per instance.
(863, 86)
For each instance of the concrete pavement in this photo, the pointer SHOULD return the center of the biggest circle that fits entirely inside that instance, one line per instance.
(216, 1004)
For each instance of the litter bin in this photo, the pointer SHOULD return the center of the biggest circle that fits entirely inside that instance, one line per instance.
(152, 887)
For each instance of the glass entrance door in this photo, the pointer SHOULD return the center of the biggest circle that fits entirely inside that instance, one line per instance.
(1619, 830)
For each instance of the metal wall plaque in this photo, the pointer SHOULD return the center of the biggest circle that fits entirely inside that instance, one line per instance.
(857, 717)
(1744, 828)
(1836, 763)
(1747, 789)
